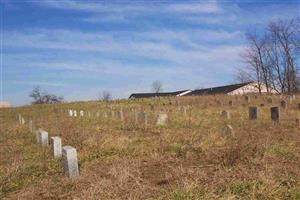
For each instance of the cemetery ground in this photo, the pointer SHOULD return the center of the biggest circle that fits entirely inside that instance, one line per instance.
(199, 153)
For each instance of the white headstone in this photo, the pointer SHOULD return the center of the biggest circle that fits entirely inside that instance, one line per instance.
(81, 113)
(43, 138)
(56, 147)
(71, 113)
(74, 113)
(162, 119)
(70, 161)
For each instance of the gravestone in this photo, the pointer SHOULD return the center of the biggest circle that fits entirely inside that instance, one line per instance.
(145, 119)
(136, 117)
(70, 161)
(43, 138)
(162, 119)
(112, 114)
(283, 104)
(81, 113)
(298, 106)
(230, 103)
(253, 113)
(23, 121)
(225, 114)
(71, 113)
(56, 147)
(275, 114)
(74, 113)
(97, 114)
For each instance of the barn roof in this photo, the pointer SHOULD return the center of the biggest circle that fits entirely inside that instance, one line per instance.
(159, 94)
(218, 90)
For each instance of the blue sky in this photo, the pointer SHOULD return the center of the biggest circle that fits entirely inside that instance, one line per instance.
(80, 48)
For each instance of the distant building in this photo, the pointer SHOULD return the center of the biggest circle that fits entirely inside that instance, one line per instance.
(234, 89)
(4, 104)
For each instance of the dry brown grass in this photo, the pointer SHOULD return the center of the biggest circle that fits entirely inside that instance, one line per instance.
(189, 158)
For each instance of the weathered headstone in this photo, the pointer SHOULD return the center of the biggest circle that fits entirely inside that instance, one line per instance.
(43, 138)
(71, 113)
(56, 147)
(230, 103)
(23, 121)
(162, 119)
(97, 114)
(253, 113)
(81, 113)
(105, 115)
(225, 114)
(70, 161)
(298, 122)
(298, 106)
(275, 114)
(74, 113)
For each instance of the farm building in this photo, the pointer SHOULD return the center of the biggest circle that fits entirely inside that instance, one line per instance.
(234, 89)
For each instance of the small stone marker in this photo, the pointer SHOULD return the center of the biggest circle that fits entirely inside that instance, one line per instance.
(230, 103)
(37, 135)
(275, 114)
(298, 106)
(145, 119)
(71, 113)
(74, 113)
(112, 114)
(253, 113)
(97, 114)
(70, 161)
(225, 114)
(56, 147)
(23, 121)
(283, 104)
(43, 138)
(162, 119)
(81, 113)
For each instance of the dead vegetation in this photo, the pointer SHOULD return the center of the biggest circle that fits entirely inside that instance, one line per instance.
(191, 157)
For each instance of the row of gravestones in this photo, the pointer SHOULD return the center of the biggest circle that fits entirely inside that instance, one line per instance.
(67, 154)
(161, 119)
(253, 113)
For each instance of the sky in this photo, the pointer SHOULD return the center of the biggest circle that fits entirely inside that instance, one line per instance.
(77, 49)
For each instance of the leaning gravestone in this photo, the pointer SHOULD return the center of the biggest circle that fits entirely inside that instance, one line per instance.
(162, 119)
(275, 114)
(70, 161)
(56, 147)
(253, 113)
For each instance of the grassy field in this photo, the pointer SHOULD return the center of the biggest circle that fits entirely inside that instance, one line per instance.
(191, 157)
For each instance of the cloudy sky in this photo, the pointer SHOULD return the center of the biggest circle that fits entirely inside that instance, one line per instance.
(80, 48)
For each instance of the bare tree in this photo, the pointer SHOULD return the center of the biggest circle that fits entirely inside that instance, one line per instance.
(271, 56)
(105, 96)
(157, 86)
(44, 97)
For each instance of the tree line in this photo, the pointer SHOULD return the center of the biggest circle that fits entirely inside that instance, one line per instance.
(272, 56)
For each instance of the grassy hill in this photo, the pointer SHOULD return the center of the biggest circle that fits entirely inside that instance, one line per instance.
(191, 157)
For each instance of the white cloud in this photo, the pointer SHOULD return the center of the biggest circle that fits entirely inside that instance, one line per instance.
(207, 7)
